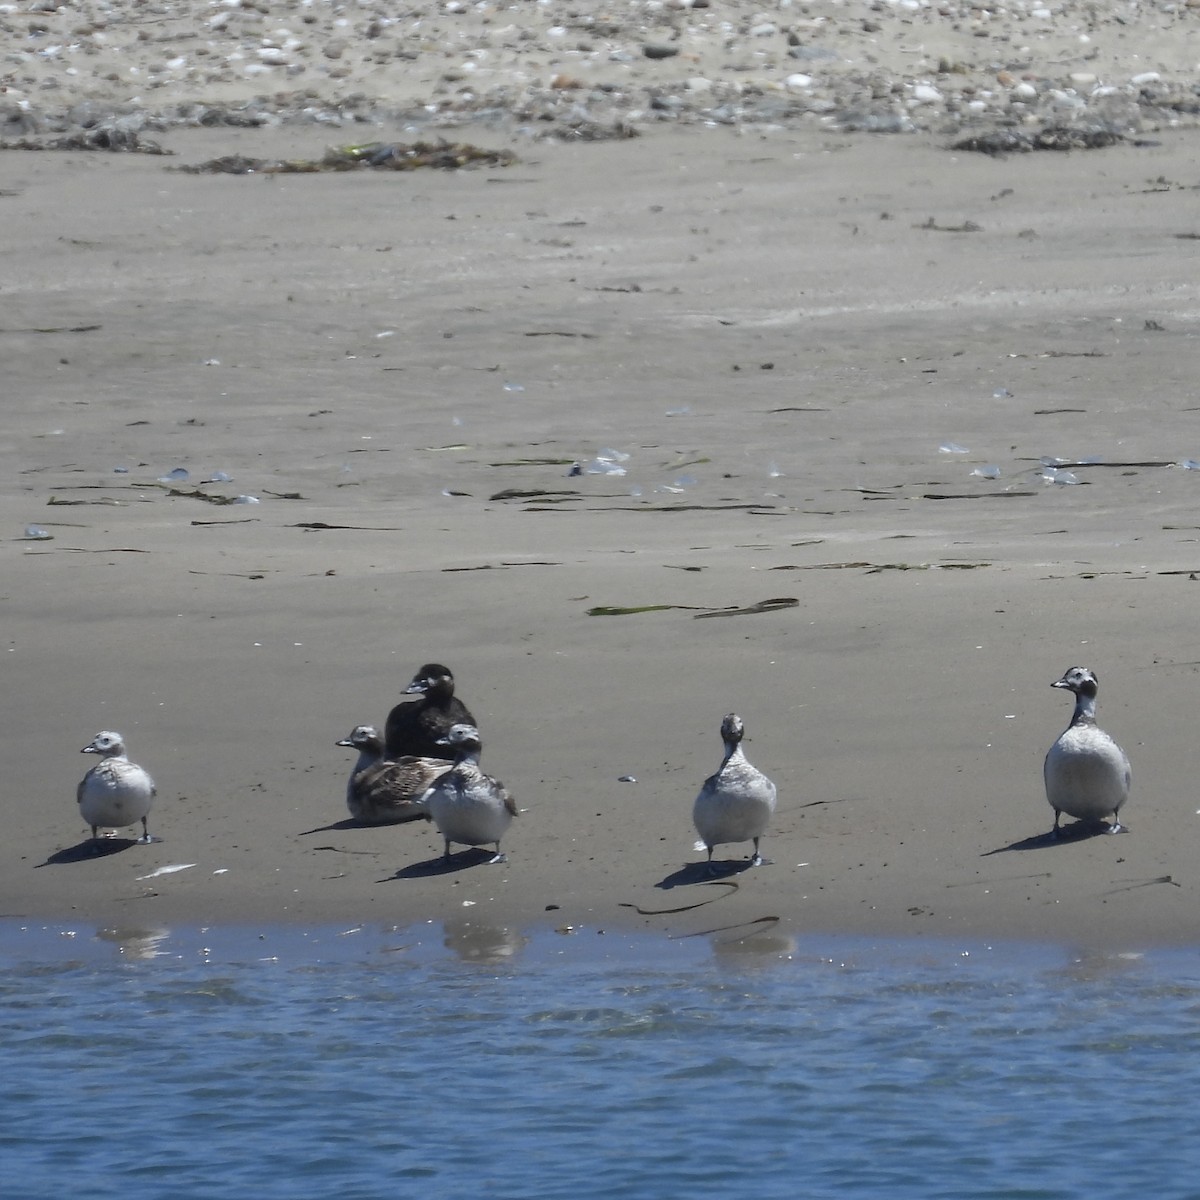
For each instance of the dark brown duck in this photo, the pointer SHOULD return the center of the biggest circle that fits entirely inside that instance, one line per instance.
(416, 729)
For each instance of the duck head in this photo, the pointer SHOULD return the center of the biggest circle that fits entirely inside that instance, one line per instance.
(432, 679)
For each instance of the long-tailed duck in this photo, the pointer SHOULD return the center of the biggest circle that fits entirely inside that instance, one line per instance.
(735, 804)
(1087, 774)
(115, 792)
(380, 792)
(415, 729)
(467, 806)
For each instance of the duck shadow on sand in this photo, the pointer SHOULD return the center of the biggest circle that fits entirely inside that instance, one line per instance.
(700, 872)
(348, 823)
(1077, 831)
(90, 849)
(462, 861)
(334, 827)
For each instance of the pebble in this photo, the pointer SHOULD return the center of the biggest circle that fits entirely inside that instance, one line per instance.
(592, 70)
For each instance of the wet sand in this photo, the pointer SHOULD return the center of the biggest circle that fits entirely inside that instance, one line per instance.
(780, 329)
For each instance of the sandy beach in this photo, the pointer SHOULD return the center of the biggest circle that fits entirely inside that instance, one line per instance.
(809, 342)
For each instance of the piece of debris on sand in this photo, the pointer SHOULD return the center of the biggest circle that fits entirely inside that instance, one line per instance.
(384, 156)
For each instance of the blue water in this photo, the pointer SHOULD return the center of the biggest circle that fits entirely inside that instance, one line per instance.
(469, 1062)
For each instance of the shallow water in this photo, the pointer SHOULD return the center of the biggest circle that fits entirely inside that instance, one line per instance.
(469, 1061)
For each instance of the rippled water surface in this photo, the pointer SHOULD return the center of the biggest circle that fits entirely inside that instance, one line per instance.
(467, 1062)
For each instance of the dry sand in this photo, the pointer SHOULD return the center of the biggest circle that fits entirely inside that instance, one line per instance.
(780, 327)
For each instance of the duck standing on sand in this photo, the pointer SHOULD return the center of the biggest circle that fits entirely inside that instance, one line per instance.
(466, 805)
(416, 729)
(1087, 774)
(735, 804)
(115, 792)
(379, 792)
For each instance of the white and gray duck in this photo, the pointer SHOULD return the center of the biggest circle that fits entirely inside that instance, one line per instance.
(383, 792)
(735, 804)
(115, 792)
(1087, 774)
(469, 807)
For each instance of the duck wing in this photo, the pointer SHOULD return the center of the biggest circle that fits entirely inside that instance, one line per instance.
(395, 790)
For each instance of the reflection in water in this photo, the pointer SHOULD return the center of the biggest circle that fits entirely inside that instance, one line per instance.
(766, 947)
(136, 944)
(1092, 964)
(473, 942)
